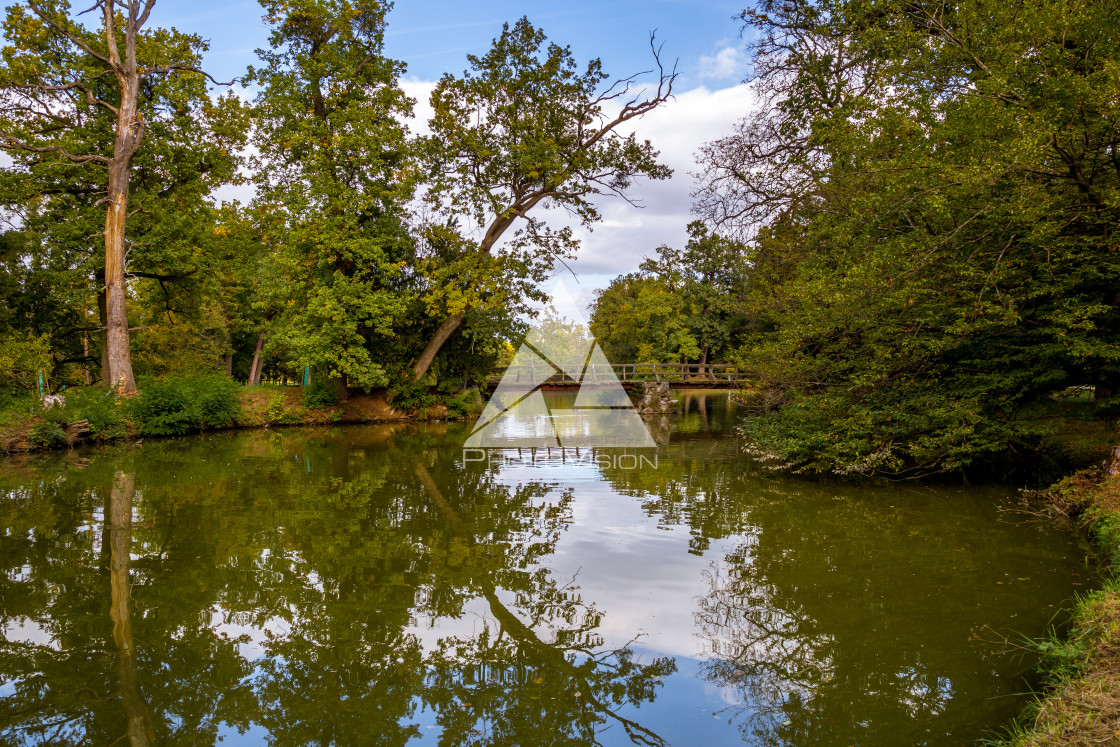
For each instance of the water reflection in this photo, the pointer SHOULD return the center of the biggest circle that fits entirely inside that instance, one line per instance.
(141, 727)
(366, 584)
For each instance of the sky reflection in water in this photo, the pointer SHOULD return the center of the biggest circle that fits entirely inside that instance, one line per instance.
(365, 583)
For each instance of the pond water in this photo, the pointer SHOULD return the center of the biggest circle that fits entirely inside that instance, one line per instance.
(367, 585)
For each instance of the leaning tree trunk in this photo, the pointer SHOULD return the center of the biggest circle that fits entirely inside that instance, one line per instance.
(258, 363)
(424, 362)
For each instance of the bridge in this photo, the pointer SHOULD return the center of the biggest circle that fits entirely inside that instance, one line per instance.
(676, 375)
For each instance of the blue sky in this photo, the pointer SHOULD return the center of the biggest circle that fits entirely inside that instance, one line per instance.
(435, 36)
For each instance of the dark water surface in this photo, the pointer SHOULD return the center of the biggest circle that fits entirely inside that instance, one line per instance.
(365, 585)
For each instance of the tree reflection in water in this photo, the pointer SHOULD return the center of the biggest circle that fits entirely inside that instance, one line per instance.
(777, 663)
(290, 596)
(365, 585)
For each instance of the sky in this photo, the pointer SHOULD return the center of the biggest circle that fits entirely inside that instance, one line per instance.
(434, 36)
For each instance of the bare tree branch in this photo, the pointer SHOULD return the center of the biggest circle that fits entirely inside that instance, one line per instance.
(7, 142)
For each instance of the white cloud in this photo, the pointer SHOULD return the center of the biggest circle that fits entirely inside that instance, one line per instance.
(729, 62)
(627, 234)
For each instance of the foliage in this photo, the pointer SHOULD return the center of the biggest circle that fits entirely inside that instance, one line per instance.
(937, 195)
(22, 357)
(215, 398)
(462, 404)
(47, 435)
(100, 407)
(175, 406)
(319, 395)
(332, 177)
(523, 126)
(64, 99)
(408, 394)
(684, 305)
(162, 408)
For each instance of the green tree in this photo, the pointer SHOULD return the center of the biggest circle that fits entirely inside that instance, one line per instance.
(682, 305)
(85, 99)
(937, 195)
(332, 177)
(523, 127)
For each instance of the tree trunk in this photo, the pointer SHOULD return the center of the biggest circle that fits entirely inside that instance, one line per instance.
(103, 323)
(227, 359)
(258, 363)
(140, 722)
(1111, 466)
(130, 131)
(424, 362)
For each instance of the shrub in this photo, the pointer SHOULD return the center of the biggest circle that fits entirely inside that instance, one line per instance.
(319, 395)
(216, 400)
(100, 408)
(279, 412)
(179, 405)
(47, 435)
(407, 394)
(21, 358)
(462, 404)
(16, 406)
(163, 408)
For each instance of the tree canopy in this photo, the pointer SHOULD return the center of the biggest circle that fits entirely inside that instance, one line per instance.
(930, 196)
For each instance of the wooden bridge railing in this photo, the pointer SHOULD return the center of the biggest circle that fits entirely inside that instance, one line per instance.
(723, 374)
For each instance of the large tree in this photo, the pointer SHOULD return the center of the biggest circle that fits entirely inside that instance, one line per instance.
(522, 128)
(332, 179)
(74, 97)
(933, 191)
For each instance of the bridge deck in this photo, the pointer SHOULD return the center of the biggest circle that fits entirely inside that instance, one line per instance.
(676, 375)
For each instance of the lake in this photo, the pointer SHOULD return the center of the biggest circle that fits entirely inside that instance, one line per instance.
(370, 585)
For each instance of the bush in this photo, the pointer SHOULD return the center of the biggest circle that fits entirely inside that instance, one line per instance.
(47, 435)
(319, 395)
(407, 394)
(22, 356)
(99, 407)
(215, 399)
(179, 405)
(16, 406)
(163, 408)
(278, 411)
(463, 403)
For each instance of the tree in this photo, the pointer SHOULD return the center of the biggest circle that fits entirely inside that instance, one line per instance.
(333, 176)
(523, 127)
(943, 259)
(641, 317)
(56, 72)
(682, 305)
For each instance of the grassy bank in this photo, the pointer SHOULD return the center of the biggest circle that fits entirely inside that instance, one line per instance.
(190, 405)
(1081, 704)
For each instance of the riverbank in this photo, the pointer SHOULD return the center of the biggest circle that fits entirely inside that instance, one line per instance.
(1081, 706)
(95, 417)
